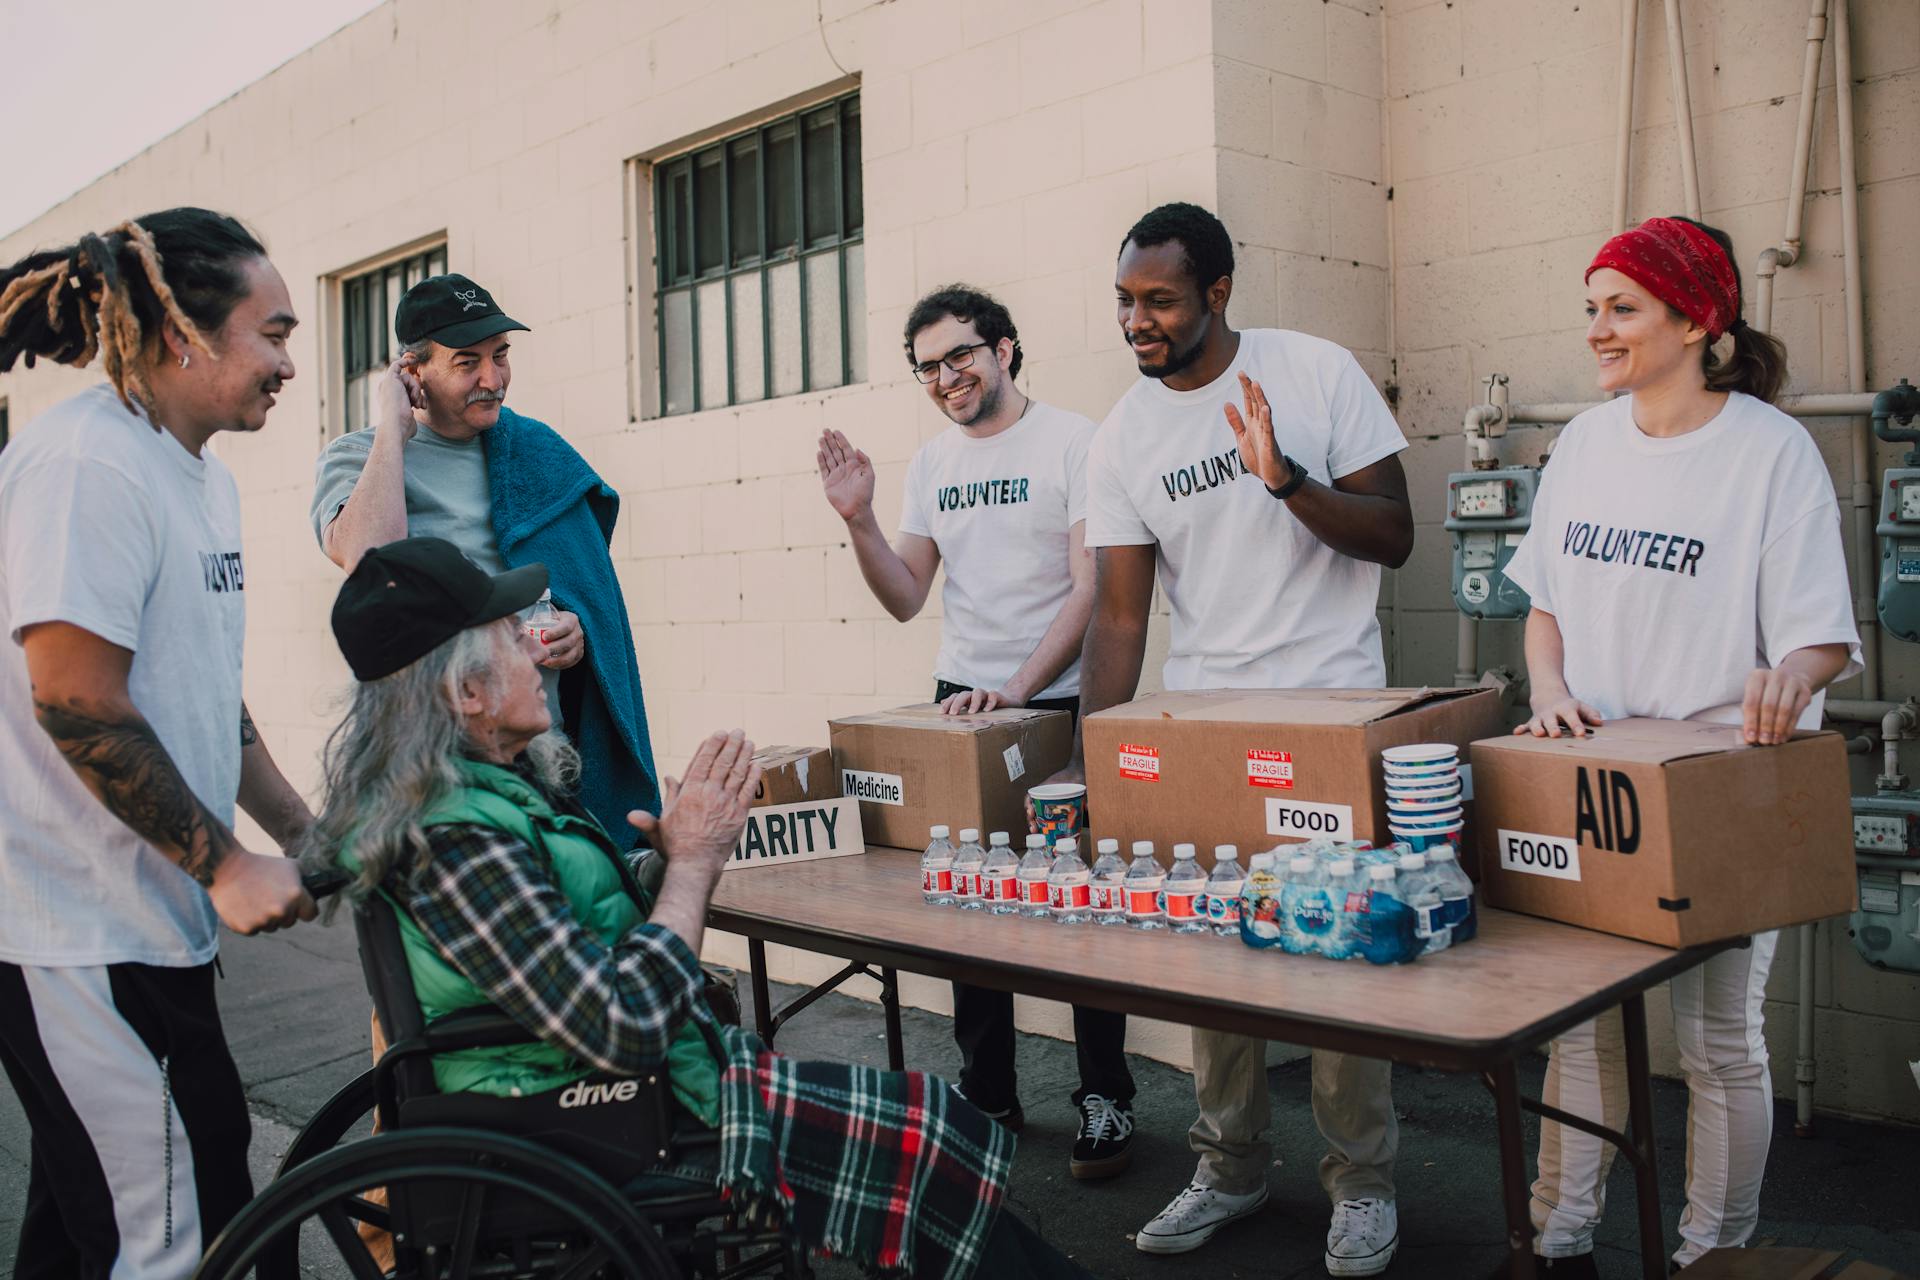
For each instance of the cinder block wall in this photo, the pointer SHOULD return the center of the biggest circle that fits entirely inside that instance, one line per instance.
(1420, 181)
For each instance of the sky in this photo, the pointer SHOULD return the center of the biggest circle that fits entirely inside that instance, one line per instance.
(88, 86)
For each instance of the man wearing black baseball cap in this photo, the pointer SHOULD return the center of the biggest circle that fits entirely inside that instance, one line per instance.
(445, 458)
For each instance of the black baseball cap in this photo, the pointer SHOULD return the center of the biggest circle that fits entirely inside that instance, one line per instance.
(452, 310)
(406, 599)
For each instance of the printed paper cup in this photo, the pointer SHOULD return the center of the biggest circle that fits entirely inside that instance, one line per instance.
(1396, 795)
(1424, 821)
(1421, 754)
(1414, 808)
(1059, 809)
(1421, 841)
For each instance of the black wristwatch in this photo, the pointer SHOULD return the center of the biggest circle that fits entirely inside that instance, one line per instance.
(1292, 486)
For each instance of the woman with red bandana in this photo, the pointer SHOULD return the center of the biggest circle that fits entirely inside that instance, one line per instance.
(1684, 563)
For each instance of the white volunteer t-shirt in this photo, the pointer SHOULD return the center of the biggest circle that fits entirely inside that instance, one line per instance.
(112, 526)
(1000, 510)
(1258, 601)
(1676, 566)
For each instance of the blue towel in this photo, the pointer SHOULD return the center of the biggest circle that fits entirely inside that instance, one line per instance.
(549, 507)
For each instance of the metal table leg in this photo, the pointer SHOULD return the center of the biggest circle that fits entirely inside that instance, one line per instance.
(890, 1003)
(1504, 1080)
(1646, 1183)
(763, 1023)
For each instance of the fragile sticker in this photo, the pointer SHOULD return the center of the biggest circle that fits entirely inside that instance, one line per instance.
(1139, 763)
(1307, 820)
(1016, 763)
(1270, 769)
(874, 788)
(1555, 857)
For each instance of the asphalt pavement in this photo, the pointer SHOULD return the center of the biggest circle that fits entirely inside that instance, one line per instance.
(296, 1014)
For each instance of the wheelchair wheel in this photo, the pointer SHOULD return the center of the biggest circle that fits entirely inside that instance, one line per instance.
(348, 1113)
(522, 1211)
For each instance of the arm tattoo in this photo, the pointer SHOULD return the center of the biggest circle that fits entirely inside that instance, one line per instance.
(123, 761)
(248, 734)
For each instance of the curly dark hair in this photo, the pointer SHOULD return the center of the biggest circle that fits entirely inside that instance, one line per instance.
(986, 313)
(1209, 250)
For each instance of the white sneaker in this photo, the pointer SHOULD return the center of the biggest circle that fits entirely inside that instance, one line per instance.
(1362, 1238)
(1194, 1216)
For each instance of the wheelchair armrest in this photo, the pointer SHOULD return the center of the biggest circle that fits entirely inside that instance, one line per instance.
(478, 1028)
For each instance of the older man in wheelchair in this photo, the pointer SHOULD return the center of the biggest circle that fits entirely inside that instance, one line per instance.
(557, 1098)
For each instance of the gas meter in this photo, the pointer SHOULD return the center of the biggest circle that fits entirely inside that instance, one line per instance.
(1488, 513)
(1886, 845)
(1899, 532)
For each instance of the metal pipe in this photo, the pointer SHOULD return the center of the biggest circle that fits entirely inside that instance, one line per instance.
(1860, 746)
(1817, 405)
(1898, 723)
(1859, 710)
(1683, 107)
(1803, 1060)
(1865, 615)
(1623, 131)
(1787, 252)
(1466, 668)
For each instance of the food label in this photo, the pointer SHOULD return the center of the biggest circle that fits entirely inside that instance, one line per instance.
(1037, 895)
(1139, 763)
(1001, 889)
(936, 880)
(1270, 769)
(1071, 896)
(1305, 820)
(1144, 899)
(1106, 898)
(1556, 857)
(1223, 904)
(1183, 903)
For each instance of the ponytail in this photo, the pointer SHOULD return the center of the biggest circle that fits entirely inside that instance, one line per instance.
(1757, 364)
(111, 295)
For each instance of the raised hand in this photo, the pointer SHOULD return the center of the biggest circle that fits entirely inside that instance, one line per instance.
(398, 393)
(1253, 433)
(704, 812)
(846, 474)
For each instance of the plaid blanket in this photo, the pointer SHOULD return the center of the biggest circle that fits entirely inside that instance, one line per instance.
(897, 1173)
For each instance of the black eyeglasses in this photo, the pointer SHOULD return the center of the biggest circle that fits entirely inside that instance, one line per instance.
(957, 359)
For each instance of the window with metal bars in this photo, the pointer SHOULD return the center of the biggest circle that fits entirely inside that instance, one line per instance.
(762, 271)
(367, 341)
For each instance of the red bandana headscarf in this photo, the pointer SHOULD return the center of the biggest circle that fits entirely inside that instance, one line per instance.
(1682, 266)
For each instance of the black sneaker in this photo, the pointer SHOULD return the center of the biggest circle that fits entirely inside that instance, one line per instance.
(1104, 1145)
(1578, 1267)
(1012, 1118)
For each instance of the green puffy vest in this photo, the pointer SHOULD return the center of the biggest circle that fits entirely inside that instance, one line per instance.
(587, 867)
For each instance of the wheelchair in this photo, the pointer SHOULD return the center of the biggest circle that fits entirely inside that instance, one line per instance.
(607, 1178)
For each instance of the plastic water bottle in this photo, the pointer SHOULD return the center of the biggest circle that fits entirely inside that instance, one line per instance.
(1000, 878)
(1261, 922)
(936, 870)
(1069, 883)
(1034, 869)
(1341, 941)
(1223, 891)
(1419, 890)
(1186, 895)
(540, 617)
(1146, 888)
(1108, 897)
(967, 866)
(1456, 892)
(1384, 930)
(1309, 918)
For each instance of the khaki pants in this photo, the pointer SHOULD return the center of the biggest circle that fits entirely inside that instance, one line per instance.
(1352, 1105)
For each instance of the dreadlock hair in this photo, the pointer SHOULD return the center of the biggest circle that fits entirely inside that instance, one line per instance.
(1208, 247)
(986, 313)
(1757, 365)
(111, 294)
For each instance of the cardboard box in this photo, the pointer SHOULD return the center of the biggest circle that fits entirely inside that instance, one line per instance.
(913, 767)
(1673, 832)
(1784, 1264)
(1260, 767)
(789, 775)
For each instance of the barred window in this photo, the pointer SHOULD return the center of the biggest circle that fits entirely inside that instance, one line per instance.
(367, 342)
(762, 271)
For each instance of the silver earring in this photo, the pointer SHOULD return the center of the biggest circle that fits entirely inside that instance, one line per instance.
(183, 362)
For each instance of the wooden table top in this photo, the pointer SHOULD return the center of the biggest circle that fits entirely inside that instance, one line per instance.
(1519, 983)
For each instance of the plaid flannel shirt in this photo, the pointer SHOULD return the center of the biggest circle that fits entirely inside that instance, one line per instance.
(888, 1168)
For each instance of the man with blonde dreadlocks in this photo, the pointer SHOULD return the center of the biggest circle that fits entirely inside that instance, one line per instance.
(124, 742)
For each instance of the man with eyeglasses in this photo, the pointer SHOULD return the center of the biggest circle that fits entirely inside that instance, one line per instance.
(1000, 496)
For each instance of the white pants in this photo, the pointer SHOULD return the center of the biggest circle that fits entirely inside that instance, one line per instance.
(1717, 1022)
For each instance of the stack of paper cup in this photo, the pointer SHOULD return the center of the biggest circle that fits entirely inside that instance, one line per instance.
(1423, 793)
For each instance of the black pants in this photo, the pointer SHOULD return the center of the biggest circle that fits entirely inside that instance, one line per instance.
(983, 1018)
(140, 1129)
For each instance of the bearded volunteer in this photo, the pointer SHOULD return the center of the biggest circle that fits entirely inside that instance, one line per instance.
(1267, 529)
(999, 497)
(125, 744)
(446, 458)
(1684, 563)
